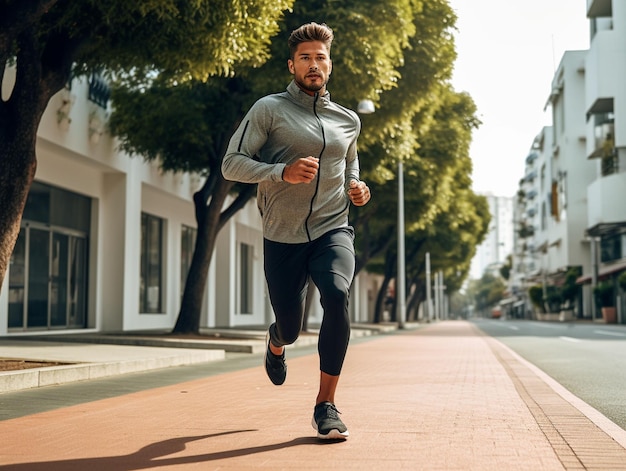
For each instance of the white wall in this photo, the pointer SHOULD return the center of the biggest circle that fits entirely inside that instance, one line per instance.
(75, 153)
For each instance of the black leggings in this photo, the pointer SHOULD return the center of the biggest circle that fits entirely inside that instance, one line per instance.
(329, 262)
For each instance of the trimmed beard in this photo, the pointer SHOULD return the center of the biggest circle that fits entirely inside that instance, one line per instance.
(313, 89)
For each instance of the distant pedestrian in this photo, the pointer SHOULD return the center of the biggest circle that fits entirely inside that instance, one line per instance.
(301, 148)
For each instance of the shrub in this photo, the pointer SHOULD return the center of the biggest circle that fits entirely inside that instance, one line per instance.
(553, 298)
(621, 280)
(570, 290)
(604, 295)
(535, 293)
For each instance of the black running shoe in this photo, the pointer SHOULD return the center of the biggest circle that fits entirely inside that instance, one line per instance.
(327, 422)
(275, 365)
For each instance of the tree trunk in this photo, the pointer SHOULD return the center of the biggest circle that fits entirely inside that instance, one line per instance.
(19, 120)
(190, 309)
(17, 170)
(207, 217)
(416, 298)
(389, 272)
(42, 70)
(210, 220)
(380, 299)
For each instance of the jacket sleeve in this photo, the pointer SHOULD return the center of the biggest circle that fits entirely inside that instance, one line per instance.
(352, 158)
(241, 162)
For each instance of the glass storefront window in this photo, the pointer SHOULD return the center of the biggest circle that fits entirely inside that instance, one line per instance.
(48, 268)
(17, 282)
(58, 207)
(150, 283)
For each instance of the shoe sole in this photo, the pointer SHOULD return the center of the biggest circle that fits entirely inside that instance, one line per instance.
(333, 434)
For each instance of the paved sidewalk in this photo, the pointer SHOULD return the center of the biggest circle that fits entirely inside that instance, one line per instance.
(440, 397)
(88, 356)
(86, 361)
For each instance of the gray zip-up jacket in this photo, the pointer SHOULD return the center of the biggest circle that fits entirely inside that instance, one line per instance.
(279, 129)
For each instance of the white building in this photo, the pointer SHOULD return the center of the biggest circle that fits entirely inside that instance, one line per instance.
(498, 243)
(605, 107)
(563, 242)
(576, 208)
(106, 239)
(527, 262)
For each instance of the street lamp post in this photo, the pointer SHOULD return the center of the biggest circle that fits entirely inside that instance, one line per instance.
(367, 107)
(400, 289)
(429, 313)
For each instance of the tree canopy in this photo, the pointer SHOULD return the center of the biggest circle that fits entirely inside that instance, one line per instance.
(45, 39)
(398, 53)
(187, 71)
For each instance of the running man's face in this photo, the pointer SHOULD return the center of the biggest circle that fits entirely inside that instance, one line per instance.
(311, 67)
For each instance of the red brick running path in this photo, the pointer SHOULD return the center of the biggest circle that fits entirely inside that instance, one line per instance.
(440, 397)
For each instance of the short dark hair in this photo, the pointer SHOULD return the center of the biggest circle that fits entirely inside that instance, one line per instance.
(310, 32)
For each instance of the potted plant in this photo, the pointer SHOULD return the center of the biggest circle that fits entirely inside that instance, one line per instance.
(535, 293)
(605, 298)
(621, 280)
(553, 299)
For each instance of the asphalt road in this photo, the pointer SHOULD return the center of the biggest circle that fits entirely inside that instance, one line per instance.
(586, 358)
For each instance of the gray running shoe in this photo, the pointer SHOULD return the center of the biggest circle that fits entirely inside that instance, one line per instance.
(327, 422)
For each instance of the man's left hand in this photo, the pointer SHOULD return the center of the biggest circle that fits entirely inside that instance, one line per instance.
(359, 193)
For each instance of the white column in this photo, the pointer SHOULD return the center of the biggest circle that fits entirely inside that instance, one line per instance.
(595, 261)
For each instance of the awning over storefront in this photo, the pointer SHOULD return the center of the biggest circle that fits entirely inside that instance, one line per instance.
(606, 228)
(507, 301)
(603, 272)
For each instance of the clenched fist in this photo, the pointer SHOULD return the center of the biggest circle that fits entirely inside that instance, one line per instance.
(359, 193)
(302, 170)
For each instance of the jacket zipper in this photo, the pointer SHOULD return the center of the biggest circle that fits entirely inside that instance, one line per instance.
(317, 183)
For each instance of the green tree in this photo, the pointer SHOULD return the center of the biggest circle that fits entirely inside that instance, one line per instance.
(452, 243)
(486, 292)
(398, 130)
(505, 270)
(194, 121)
(404, 118)
(442, 214)
(45, 39)
(571, 291)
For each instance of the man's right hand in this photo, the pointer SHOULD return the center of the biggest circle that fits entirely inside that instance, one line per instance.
(302, 170)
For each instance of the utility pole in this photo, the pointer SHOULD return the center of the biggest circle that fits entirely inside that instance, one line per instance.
(429, 313)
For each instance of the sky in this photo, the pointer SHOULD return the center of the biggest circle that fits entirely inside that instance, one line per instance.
(508, 52)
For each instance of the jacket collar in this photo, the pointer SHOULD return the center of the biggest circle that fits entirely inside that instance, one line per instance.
(307, 100)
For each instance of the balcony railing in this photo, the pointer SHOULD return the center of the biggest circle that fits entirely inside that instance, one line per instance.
(99, 90)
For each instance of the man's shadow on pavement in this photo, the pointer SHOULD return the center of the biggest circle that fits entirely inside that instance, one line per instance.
(146, 457)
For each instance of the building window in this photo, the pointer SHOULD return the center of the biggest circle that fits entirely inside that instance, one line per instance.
(17, 282)
(151, 279)
(610, 164)
(611, 248)
(48, 268)
(561, 113)
(554, 201)
(246, 263)
(187, 247)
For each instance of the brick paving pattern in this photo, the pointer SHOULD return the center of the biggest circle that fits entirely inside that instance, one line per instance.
(441, 397)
